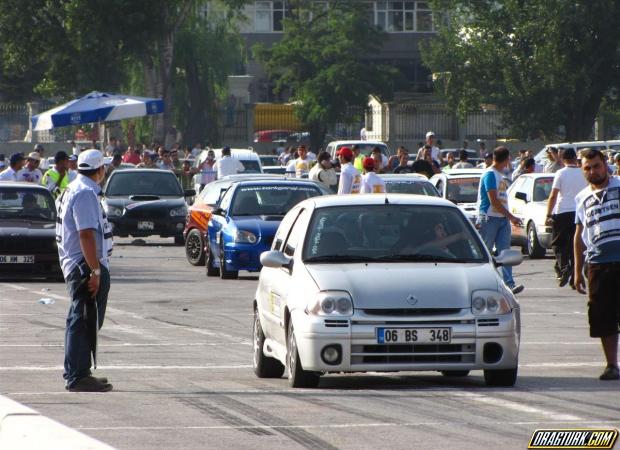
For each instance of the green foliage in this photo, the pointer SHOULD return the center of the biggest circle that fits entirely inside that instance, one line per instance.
(547, 64)
(323, 60)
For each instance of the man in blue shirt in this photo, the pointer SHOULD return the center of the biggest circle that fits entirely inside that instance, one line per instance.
(84, 245)
(493, 216)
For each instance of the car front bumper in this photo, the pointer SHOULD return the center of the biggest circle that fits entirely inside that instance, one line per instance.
(477, 343)
(245, 256)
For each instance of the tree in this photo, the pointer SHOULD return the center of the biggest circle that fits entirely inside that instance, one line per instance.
(547, 64)
(323, 59)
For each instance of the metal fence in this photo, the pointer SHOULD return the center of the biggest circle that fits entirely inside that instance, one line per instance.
(13, 122)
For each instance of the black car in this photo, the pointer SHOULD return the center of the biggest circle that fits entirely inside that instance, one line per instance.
(28, 232)
(146, 202)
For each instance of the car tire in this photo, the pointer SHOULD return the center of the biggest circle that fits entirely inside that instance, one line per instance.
(179, 240)
(264, 366)
(194, 248)
(501, 378)
(297, 376)
(455, 373)
(211, 270)
(534, 249)
(224, 273)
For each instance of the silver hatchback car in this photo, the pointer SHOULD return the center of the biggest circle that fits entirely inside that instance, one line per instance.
(385, 283)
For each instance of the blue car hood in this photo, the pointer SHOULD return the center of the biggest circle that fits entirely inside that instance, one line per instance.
(260, 225)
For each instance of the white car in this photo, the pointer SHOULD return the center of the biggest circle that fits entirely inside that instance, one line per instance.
(460, 186)
(541, 156)
(365, 148)
(358, 283)
(409, 183)
(248, 157)
(527, 200)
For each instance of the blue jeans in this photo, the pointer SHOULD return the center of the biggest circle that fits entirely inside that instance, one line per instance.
(496, 231)
(77, 345)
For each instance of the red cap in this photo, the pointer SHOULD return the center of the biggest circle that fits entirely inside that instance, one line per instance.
(368, 163)
(345, 152)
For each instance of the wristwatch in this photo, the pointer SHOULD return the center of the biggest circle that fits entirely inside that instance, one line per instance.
(95, 272)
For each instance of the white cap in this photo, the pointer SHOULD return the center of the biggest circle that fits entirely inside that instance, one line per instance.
(35, 156)
(429, 134)
(90, 159)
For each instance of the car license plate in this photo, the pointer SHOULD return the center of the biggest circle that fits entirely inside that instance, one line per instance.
(16, 259)
(142, 225)
(414, 335)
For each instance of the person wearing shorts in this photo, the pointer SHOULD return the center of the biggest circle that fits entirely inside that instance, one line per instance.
(597, 247)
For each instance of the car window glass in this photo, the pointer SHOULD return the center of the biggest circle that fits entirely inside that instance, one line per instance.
(250, 166)
(411, 187)
(270, 199)
(27, 204)
(296, 234)
(144, 183)
(226, 199)
(528, 182)
(211, 193)
(384, 232)
(516, 185)
(542, 189)
(284, 229)
(439, 186)
(463, 190)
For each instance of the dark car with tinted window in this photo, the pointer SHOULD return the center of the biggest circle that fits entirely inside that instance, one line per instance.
(27, 232)
(146, 202)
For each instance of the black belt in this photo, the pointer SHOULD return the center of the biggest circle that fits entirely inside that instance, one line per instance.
(607, 264)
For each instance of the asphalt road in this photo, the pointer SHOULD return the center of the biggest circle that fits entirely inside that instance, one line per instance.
(177, 347)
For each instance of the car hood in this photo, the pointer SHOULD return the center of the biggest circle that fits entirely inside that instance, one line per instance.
(390, 285)
(127, 203)
(26, 228)
(259, 225)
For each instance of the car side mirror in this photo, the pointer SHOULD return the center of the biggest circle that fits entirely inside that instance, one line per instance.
(521, 196)
(189, 193)
(508, 257)
(274, 259)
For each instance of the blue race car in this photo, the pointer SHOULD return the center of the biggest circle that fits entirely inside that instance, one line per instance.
(243, 224)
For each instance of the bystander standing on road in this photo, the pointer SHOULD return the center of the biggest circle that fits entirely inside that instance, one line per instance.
(350, 178)
(84, 247)
(117, 159)
(463, 163)
(227, 165)
(435, 151)
(72, 167)
(147, 160)
(31, 172)
(299, 167)
(597, 243)
(43, 165)
(450, 162)
(371, 182)
(56, 179)
(567, 183)
(358, 158)
(488, 161)
(494, 218)
(324, 172)
(206, 170)
(131, 156)
(527, 165)
(16, 163)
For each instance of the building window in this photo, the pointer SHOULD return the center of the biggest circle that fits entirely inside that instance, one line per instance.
(403, 17)
(269, 15)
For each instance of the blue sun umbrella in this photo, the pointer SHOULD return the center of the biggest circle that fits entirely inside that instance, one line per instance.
(97, 107)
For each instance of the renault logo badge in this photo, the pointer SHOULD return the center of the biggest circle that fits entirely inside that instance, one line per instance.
(412, 300)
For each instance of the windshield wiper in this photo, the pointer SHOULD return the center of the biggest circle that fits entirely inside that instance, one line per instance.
(421, 258)
(337, 258)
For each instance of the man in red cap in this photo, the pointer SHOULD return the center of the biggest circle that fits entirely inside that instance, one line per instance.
(371, 182)
(350, 178)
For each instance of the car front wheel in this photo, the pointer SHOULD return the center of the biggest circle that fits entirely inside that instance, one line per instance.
(226, 274)
(534, 249)
(502, 378)
(194, 248)
(264, 366)
(297, 376)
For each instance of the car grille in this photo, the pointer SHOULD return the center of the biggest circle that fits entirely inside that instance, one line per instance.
(336, 323)
(488, 322)
(141, 213)
(409, 354)
(28, 245)
(411, 311)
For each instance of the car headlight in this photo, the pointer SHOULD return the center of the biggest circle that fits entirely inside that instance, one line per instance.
(113, 211)
(245, 237)
(489, 303)
(331, 303)
(181, 211)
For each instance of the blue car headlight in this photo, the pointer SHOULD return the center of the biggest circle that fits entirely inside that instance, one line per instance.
(245, 237)
(181, 211)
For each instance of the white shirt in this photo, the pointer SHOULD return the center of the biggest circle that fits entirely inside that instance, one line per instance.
(372, 184)
(569, 181)
(299, 167)
(350, 180)
(8, 174)
(228, 165)
(435, 153)
(363, 134)
(33, 176)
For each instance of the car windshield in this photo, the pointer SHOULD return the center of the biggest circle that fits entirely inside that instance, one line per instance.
(410, 187)
(29, 204)
(269, 161)
(542, 189)
(251, 166)
(161, 184)
(391, 233)
(269, 199)
(463, 190)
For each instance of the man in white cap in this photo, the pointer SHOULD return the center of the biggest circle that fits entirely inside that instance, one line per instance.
(84, 246)
(31, 172)
(435, 152)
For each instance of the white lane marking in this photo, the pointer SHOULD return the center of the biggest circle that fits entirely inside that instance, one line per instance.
(15, 287)
(560, 343)
(123, 367)
(514, 406)
(128, 344)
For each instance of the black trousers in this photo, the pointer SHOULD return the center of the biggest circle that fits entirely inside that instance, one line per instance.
(562, 241)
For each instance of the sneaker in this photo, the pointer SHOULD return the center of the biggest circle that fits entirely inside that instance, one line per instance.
(564, 279)
(90, 384)
(610, 373)
(516, 289)
(103, 380)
